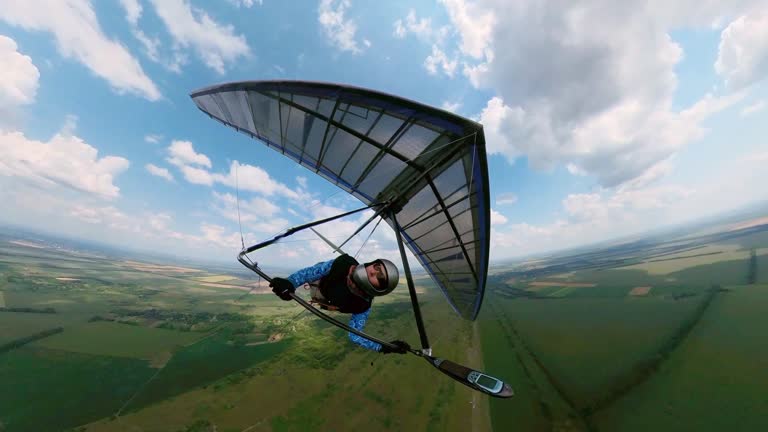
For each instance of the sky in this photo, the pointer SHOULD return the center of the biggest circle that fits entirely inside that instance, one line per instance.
(602, 119)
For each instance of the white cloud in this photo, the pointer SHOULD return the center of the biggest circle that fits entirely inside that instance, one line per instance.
(438, 60)
(339, 30)
(257, 214)
(63, 161)
(595, 98)
(218, 235)
(421, 28)
(506, 198)
(450, 106)
(302, 181)
(575, 169)
(703, 14)
(595, 217)
(197, 175)
(18, 77)
(156, 229)
(183, 153)
(151, 44)
(400, 31)
(132, 9)
(250, 209)
(171, 61)
(650, 176)
(159, 172)
(160, 221)
(497, 218)
(78, 35)
(19, 80)
(743, 54)
(69, 126)
(243, 176)
(475, 25)
(623, 144)
(254, 179)
(153, 138)
(108, 216)
(755, 158)
(494, 118)
(246, 3)
(608, 214)
(753, 108)
(214, 43)
(85, 216)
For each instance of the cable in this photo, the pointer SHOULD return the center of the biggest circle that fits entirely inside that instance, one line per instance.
(369, 236)
(237, 200)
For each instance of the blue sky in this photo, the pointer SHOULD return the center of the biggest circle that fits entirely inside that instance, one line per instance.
(601, 120)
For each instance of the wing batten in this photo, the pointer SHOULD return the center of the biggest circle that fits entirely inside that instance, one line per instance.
(380, 147)
(453, 228)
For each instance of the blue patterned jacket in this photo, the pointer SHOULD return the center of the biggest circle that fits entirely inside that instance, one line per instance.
(357, 321)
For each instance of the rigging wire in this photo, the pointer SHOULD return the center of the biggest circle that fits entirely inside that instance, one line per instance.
(240, 225)
(442, 146)
(237, 200)
(369, 236)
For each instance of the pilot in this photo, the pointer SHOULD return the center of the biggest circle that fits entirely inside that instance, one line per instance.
(343, 285)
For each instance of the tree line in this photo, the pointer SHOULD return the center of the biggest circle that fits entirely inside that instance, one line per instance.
(48, 310)
(643, 370)
(18, 343)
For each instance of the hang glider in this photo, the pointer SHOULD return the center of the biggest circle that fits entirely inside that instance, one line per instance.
(422, 169)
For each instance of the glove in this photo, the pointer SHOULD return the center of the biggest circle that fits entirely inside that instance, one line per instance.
(282, 288)
(402, 347)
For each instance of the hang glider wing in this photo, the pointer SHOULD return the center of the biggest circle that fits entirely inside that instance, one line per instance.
(378, 147)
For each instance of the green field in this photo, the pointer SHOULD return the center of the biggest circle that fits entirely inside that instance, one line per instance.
(51, 390)
(92, 369)
(200, 364)
(318, 372)
(590, 343)
(120, 340)
(717, 378)
(595, 358)
(18, 325)
(563, 356)
(702, 256)
(536, 406)
(149, 346)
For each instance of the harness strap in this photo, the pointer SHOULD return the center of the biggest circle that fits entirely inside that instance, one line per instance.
(324, 306)
(316, 297)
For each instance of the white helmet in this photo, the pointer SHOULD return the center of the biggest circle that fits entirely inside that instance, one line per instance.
(360, 277)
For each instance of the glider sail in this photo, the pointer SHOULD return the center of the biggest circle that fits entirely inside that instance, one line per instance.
(429, 164)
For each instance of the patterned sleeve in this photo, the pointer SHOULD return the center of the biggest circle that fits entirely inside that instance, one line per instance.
(310, 274)
(357, 322)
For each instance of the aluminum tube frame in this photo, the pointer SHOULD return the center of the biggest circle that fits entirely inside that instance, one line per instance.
(411, 289)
